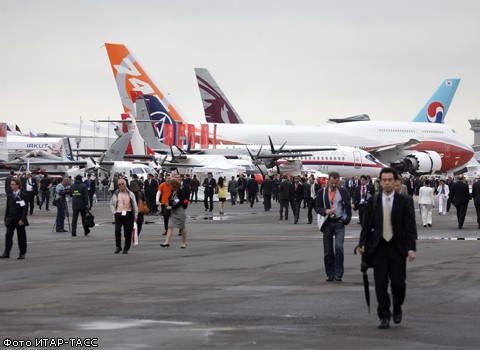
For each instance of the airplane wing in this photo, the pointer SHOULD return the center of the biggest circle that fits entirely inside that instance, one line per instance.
(390, 151)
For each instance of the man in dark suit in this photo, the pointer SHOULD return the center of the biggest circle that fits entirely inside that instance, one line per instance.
(79, 194)
(29, 189)
(252, 188)
(296, 197)
(411, 186)
(311, 190)
(151, 185)
(361, 196)
(334, 201)
(476, 199)
(15, 218)
(209, 184)
(90, 188)
(389, 241)
(284, 196)
(266, 189)
(460, 195)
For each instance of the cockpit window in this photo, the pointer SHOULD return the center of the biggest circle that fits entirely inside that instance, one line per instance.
(371, 158)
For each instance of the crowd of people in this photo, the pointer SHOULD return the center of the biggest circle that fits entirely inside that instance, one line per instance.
(386, 212)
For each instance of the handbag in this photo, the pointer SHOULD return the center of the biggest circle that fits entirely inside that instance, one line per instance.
(143, 207)
(321, 218)
(54, 203)
(88, 220)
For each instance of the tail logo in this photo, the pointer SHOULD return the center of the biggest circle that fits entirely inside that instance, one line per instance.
(435, 112)
(217, 106)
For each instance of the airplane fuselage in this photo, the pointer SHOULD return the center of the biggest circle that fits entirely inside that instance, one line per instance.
(367, 135)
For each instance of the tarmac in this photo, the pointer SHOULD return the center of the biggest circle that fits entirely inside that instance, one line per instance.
(245, 281)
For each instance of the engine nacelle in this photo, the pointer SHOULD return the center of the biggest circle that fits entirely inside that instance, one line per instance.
(422, 163)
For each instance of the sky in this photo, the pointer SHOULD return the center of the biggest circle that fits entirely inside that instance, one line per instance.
(276, 60)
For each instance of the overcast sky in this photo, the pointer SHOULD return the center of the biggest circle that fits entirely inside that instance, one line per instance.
(306, 61)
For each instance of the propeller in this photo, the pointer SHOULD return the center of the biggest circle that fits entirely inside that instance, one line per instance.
(255, 159)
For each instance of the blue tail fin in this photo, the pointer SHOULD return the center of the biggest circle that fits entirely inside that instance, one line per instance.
(435, 110)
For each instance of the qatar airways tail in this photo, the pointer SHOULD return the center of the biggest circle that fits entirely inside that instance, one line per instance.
(217, 107)
(131, 76)
(436, 108)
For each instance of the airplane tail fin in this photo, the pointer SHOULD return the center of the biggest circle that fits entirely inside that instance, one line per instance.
(217, 107)
(147, 130)
(130, 76)
(435, 110)
(67, 154)
(118, 149)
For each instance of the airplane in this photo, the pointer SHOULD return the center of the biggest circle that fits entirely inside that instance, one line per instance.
(419, 148)
(108, 163)
(427, 161)
(348, 161)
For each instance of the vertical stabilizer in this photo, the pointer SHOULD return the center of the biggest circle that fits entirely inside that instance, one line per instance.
(435, 110)
(131, 76)
(217, 107)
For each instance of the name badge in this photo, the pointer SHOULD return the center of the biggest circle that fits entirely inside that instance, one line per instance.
(21, 203)
(124, 213)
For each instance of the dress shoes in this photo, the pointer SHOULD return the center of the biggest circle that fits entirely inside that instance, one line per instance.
(74, 235)
(397, 314)
(21, 257)
(309, 222)
(384, 323)
(163, 245)
(118, 250)
(125, 251)
(280, 219)
(330, 279)
(87, 231)
(338, 279)
(429, 225)
(4, 256)
(62, 230)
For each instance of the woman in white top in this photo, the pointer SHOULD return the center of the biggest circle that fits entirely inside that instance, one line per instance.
(426, 201)
(443, 192)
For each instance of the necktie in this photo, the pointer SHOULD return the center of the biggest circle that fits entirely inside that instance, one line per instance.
(363, 192)
(387, 222)
(312, 187)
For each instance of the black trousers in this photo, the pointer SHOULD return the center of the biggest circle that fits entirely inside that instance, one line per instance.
(461, 213)
(267, 201)
(361, 211)
(477, 208)
(166, 216)
(208, 197)
(21, 236)
(311, 207)
(296, 209)
(283, 206)
(125, 221)
(83, 212)
(389, 266)
(30, 199)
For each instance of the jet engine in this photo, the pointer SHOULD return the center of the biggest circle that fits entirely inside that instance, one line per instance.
(424, 162)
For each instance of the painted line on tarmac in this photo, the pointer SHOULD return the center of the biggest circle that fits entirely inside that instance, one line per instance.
(451, 238)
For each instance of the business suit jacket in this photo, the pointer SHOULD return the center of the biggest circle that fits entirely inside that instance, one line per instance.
(308, 189)
(209, 184)
(33, 182)
(322, 197)
(460, 193)
(284, 190)
(475, 192)
(151, 187)
(298, 194)
(267, 187)
(403, 225)
(252, 186)
(14, 212)
(357, 196)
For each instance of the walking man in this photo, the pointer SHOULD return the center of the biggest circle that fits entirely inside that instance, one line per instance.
(311, 190)
(334, 202)
(90, 188)
(476, 199)
(209, 184)
(460, 195)
(284, 196)
(79, 194)
(389, 241)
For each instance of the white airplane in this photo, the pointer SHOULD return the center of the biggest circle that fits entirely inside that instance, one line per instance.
(421, 148)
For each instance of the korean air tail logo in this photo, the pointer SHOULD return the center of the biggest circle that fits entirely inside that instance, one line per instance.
(435, 112)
